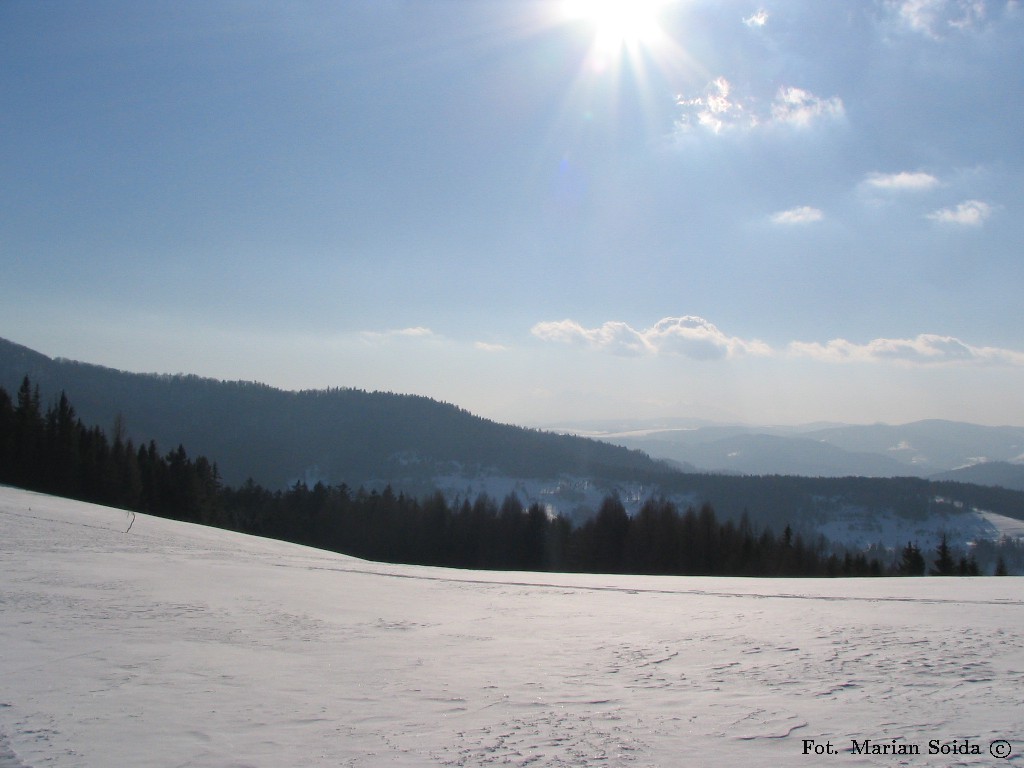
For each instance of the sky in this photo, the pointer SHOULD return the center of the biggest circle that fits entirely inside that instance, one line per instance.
(544, 211)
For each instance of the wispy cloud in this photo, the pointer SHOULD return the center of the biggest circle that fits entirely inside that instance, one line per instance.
(924, 349)
(970, 213)
(803, 214)
(417, 332)
(688, 336)
(718, 109)
(904, 180)
(715, 110)
(758, 19)
(795, 106)
(695, 338)
(935, 17)
(484, 346)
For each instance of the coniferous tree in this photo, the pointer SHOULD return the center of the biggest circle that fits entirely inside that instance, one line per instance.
(608, 532)
(28, 433)
(62, 446)
(968, 566)
(7, 441)
(911, 561)
(945, 565)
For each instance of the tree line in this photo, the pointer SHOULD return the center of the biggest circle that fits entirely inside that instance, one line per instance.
(53, 451)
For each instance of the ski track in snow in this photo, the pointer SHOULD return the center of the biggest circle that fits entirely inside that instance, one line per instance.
(177, 645)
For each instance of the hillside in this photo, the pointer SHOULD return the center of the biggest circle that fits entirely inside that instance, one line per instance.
(177, 644)
(341, 435)
(418, 445)
(995, 473)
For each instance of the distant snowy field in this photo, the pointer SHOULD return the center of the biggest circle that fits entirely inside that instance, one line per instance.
(177, 645)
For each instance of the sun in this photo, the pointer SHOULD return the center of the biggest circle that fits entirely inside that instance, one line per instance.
(619, 26)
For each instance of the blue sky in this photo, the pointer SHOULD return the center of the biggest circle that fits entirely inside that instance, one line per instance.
(543, 211)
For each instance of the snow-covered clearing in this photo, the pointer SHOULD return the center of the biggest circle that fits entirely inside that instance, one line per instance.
(177, 645)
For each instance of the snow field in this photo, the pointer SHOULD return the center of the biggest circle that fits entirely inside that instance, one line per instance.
(177, 645)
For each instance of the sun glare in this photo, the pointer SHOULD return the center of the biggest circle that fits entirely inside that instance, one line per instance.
(618, 25)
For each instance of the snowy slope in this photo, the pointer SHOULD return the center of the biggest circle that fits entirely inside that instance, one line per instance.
(176, 645)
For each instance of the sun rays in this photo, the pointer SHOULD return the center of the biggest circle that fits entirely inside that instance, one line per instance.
(619, 26)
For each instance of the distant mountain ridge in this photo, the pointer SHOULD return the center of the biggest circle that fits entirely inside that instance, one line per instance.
(418, 446)
(928, 448)
(996, 473)
(277, 437)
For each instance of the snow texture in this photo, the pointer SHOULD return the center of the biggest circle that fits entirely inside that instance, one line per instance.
(177, 645)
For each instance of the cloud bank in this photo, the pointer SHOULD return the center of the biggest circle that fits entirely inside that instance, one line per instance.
(688, 336)
(924, 349)
(697, 339)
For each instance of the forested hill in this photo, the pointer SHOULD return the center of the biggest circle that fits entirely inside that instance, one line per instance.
(341, 435)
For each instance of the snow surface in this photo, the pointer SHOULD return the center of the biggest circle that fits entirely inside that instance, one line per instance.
(177, 645)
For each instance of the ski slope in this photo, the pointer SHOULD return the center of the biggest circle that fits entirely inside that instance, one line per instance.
(177, 645)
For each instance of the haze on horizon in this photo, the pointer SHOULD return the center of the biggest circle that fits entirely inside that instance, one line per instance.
(540, 210)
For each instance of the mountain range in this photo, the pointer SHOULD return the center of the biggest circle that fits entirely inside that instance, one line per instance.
(938, 449)
(861, 484)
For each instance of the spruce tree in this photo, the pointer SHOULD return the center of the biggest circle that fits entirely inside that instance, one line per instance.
(911, 561)
(945, 565)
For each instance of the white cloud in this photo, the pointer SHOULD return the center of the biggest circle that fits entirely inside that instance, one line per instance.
(924, 349)
(904, 180)
(697, 339)
(484, 346)
(970, 213)
(614, 337)
(418, 332)
(689, 336)
(803, 214)
(795, 106)
(758, 19)
(934, 17)
(716, 110)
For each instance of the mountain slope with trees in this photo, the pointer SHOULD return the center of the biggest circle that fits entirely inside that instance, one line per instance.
(373, 440)
(339, 435)
(54, 451)
(998, 473)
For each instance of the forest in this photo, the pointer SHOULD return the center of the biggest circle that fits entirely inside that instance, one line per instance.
(369, 439)
(54, 452)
